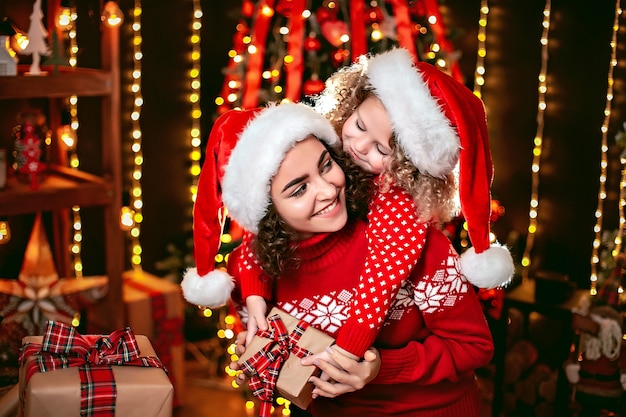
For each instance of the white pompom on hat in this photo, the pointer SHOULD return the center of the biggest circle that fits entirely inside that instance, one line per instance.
(438, 122)
(204, 285)
(244, 151)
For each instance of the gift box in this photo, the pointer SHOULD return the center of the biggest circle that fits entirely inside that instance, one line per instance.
(65, 374)
(288, 340)
(154, 307)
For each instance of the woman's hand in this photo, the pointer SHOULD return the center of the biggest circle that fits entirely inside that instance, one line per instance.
(343, 373)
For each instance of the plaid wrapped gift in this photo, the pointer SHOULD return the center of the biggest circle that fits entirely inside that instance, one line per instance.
(63, 373)
(272, 361)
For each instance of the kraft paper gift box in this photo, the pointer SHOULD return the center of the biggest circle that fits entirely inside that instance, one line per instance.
(292, 383)
(144, 391)
(154, 307)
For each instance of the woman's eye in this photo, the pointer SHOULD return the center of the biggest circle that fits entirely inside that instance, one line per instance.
(327, 165)
(299, 191)
(359, 126)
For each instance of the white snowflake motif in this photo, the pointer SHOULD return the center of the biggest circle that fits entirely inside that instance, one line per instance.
(403, 301)
(326, 312)
(442, 289)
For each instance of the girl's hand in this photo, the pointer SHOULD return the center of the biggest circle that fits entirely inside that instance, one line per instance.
(257, 309)
(343, 373)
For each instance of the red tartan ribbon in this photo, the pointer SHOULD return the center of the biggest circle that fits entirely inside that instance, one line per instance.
(263, 368)
(63, 347)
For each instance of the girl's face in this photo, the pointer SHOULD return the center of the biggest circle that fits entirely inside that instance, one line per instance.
(366, 135)
(308, 191)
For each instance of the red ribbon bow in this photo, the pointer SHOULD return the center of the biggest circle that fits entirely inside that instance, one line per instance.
(263, 368)
(63, 347)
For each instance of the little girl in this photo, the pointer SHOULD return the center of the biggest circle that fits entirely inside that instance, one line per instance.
(408, 125)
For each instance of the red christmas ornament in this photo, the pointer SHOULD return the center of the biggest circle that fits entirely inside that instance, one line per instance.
(334, 30)
(312, 44)
(374, 15)
(324, 13)
(418, 9)
(313, 86)
(247, 8)
(339, 56)
(284, 7)
(497, 210)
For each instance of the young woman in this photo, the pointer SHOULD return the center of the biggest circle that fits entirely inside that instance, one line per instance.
(409, 126)
(293, 204)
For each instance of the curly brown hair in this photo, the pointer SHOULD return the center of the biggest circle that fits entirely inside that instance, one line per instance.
(276, 241)
(435, 198)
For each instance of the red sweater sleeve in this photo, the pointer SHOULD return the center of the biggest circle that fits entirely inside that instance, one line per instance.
(459, 340)
(395, 241)
(252, 279)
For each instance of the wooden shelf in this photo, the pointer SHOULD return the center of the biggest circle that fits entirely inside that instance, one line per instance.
(64, 187)
(67, 82)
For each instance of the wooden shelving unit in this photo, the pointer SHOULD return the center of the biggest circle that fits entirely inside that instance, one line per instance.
(66, 187)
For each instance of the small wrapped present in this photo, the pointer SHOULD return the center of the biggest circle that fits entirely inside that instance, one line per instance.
(272, 361)
(155, 308)
(65, 374)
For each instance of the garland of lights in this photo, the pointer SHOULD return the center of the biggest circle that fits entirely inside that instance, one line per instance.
(194, 99)
(479, 73)
(135, 214)
(538, 142)
(595, 259)
(66, 22)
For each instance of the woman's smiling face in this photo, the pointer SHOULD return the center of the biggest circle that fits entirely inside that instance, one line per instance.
(308, 190)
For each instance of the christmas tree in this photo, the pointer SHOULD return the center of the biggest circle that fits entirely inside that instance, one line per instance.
(286, 49)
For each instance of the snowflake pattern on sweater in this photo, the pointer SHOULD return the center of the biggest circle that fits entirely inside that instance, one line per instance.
(431, 294)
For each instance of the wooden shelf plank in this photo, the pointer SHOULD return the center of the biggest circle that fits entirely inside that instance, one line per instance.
(68, 82)
(63, 188)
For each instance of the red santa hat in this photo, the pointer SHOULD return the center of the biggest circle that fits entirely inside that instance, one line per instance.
(244, 151)
(439, 123)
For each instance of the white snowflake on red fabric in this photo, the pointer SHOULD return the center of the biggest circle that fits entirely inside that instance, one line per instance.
(326, 312)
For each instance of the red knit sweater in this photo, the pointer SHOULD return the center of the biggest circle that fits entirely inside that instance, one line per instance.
(433, 339)
(394, 245)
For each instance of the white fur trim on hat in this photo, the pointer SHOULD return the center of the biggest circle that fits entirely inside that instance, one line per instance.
(211, 290)
(260, 151)
(491, 268)
(422, 130)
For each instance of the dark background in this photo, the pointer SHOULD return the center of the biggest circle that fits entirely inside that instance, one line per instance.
(579, 56)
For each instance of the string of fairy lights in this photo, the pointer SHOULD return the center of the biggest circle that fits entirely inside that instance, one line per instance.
(66, 23)
(132, 216)
(481, 54)
(538, 142)
(595, 259)
(194, 99)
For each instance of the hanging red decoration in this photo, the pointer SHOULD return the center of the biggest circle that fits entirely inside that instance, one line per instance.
(312, 44)
(247, 8)
(373, 15)
(334, 31)
(285, 8)
(324, 13)
(313, 86)
(339, 57)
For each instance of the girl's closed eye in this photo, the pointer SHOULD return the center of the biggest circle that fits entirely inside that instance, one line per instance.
(359, 125)
(382, 150)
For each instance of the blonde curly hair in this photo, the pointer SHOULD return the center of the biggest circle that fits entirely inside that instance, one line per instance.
(436, 199)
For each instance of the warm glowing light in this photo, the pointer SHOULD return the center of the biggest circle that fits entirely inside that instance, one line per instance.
(5, 232)
(112, 16)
